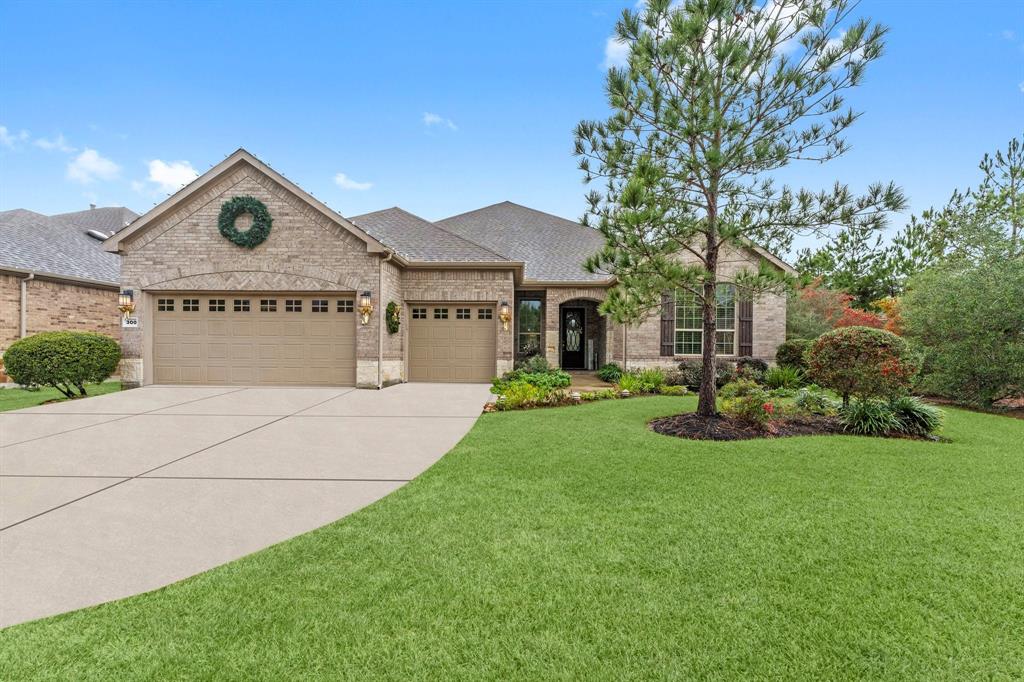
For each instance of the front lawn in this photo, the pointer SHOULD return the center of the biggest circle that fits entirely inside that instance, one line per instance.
(574, 543)
(17, 398)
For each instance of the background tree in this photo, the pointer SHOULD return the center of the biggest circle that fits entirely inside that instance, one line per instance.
(717, 95)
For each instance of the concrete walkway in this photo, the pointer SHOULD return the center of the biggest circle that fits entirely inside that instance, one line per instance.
(123, 493)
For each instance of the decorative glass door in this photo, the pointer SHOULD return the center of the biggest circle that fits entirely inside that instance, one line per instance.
(574, 351)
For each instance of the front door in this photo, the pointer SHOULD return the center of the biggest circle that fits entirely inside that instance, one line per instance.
(574, 344)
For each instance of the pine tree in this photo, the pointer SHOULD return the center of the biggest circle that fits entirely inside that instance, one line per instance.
(716, 96)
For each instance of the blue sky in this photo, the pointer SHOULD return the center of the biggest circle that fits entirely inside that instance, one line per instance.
(437, 107)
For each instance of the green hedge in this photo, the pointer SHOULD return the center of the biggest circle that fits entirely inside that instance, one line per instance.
(63, 360)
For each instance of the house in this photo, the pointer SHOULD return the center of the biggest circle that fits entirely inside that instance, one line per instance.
(306, 303)
(55, 274)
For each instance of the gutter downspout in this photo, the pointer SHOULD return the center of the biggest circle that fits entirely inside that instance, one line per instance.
(24, 303)
(380, 322)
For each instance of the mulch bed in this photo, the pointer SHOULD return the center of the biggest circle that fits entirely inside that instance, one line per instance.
(695, 427)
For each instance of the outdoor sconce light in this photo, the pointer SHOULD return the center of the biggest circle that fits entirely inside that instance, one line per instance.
(505, 315)
(126, 302)
(365, 307)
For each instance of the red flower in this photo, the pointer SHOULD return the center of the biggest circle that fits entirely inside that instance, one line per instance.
(769, 408)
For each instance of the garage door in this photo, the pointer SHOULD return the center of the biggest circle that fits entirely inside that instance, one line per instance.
(452, 342)
(254, 339)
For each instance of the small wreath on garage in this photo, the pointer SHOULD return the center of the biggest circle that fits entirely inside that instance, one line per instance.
(261, 221)
(393, 317)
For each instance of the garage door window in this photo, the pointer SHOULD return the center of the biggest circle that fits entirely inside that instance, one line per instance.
(292, 305)
(165, 305)
(463, 314)
(241, 305)
(440, 313)
(319, 305)
(190, 305)
(345, 306)
(268, 305)
(419, 313)
(216, 305)
(485, 314)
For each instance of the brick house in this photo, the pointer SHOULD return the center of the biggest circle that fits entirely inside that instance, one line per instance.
(55, 274)
(474, 293)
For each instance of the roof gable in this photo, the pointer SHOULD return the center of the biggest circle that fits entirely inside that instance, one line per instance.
(211, 176)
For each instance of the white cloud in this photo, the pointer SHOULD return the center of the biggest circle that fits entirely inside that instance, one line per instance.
(59, 143)
(1008, 35)
(345, 182)
(430, 119)
(170, 176)
(9, 139)
(616, 53)
(90, 166)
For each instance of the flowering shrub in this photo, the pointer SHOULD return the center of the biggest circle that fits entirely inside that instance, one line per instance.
(755, 407)
(863, 362)
(855, 317)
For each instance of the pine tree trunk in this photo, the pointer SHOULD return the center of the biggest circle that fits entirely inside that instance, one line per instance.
(706, 400)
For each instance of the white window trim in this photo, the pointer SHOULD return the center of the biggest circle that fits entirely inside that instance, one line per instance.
(734, 330)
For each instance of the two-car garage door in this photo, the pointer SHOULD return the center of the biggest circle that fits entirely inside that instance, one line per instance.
(254, 338)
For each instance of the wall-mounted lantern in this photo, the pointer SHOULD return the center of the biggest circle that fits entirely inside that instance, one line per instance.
(504, 314)
(365, 307)
(126, 302)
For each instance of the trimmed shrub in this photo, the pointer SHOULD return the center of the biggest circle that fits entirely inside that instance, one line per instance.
(783, 377)
(813, 400)
(869, 417)
(915, 416)
(755, 407)
(609, 372)
(549, 381)
(792, 353)
(691, 371)
(64, 360)
(670, 389)
(534, 364)
(863, 362)
(740, 388)
(751, 368)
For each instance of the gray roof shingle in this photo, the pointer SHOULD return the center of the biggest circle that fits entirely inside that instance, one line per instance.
(107, 219)
(59, 245)
(552, 248)
(420, 240)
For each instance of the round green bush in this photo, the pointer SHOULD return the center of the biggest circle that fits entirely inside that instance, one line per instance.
(863, 362)
(792, 352)
(63, 360)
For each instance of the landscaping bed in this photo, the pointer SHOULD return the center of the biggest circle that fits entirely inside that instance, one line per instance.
(696, 427)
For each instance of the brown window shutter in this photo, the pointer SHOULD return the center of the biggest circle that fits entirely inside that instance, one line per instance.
(745, 309)
(668, 324)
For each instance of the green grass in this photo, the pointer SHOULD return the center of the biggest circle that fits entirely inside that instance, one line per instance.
(17, 398)
(574, 543)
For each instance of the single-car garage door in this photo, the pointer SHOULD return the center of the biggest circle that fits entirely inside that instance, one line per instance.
(452, 342)
(254, 338)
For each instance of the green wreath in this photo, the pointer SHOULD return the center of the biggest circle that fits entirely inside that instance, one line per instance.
(393, 317)
(261, 221)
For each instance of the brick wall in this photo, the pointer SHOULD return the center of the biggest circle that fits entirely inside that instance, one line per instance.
(485, 286)
(644, 340)
(56, 306)
(305, 251)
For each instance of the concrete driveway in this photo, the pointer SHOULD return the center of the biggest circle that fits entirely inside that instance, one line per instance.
(123, 493)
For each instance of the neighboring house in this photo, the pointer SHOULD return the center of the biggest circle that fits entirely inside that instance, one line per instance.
(55, 273)
(288, 311)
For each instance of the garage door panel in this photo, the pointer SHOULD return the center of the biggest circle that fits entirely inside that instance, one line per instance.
(259, 343)
(449, 349)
